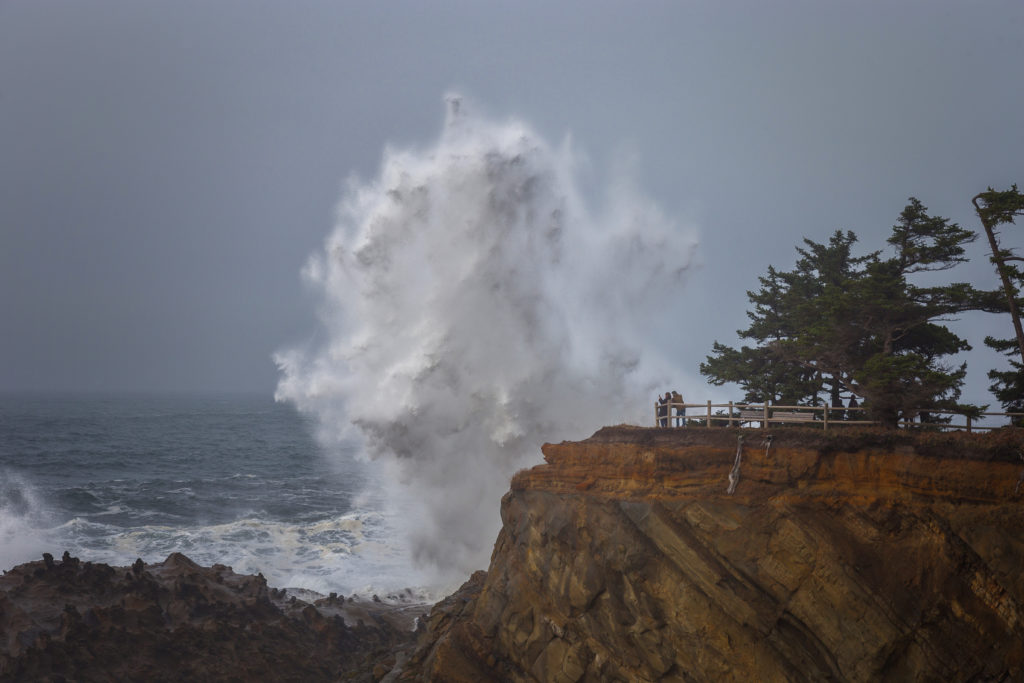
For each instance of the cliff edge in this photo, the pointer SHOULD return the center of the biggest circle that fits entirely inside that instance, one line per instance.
(851, 556)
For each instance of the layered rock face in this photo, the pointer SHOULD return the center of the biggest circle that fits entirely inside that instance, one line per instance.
(852, 556)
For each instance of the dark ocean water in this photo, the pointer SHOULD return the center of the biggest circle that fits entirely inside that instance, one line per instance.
(239, 480)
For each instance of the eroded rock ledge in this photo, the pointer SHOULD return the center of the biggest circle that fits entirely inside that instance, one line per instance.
(852, 556)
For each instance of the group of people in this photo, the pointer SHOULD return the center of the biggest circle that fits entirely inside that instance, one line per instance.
(666, 403)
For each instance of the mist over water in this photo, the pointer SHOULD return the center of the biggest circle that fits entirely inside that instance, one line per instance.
(476, 305)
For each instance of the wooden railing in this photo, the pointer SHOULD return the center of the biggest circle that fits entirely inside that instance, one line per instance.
(763, 415)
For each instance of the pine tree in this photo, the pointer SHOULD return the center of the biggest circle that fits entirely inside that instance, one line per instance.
(856, 324)
(995, 208)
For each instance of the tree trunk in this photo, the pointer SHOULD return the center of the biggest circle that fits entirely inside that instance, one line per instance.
(1000, 264)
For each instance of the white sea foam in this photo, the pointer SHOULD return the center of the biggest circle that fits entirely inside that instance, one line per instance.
(23, 533)
(329, 555)
(475, 306)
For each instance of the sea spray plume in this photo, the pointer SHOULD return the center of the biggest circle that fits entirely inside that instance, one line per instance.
(22, 521)
(475, 308)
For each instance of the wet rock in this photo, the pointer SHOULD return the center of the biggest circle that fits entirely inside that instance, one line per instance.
(173, 621)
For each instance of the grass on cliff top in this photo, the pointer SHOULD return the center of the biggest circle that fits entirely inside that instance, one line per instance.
(1005, 444)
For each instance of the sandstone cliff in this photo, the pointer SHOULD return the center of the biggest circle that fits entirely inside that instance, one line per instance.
(853, 556)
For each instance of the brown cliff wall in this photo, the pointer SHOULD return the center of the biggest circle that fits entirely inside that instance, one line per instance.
(854, 557)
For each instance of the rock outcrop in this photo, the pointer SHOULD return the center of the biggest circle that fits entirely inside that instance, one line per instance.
(847, 556)
(852, 556)
(175, 621)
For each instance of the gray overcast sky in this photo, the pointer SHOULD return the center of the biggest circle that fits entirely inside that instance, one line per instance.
(167, 167)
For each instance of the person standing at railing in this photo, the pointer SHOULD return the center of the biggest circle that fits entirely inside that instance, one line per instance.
(663, 402)
(677, 401)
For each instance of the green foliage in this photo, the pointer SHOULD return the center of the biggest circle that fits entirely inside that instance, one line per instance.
(998, 207)
(1008, 387)
(926, 242)
(842, 324)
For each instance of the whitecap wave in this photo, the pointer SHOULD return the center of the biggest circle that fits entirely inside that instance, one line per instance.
(327, 555)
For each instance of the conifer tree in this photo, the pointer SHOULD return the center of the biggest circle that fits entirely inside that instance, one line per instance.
(995, 208)
(839, 323)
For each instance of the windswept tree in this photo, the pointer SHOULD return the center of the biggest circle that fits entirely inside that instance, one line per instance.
(996, 208)
(857, 325)
(782, 315)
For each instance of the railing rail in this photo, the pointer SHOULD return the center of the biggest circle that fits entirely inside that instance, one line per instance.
(677, 414)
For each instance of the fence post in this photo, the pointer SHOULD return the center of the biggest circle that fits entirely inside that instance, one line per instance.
(730, 413)
(825, 426)
(764, 422)
(968, 424)
(709, 415)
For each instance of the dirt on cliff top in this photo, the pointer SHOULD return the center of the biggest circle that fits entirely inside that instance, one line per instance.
(1006, 444)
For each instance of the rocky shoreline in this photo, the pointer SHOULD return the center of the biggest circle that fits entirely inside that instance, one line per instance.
(636, 554)
(69, 620)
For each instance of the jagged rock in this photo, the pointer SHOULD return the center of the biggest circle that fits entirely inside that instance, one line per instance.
(175, 621)
(848, 556)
